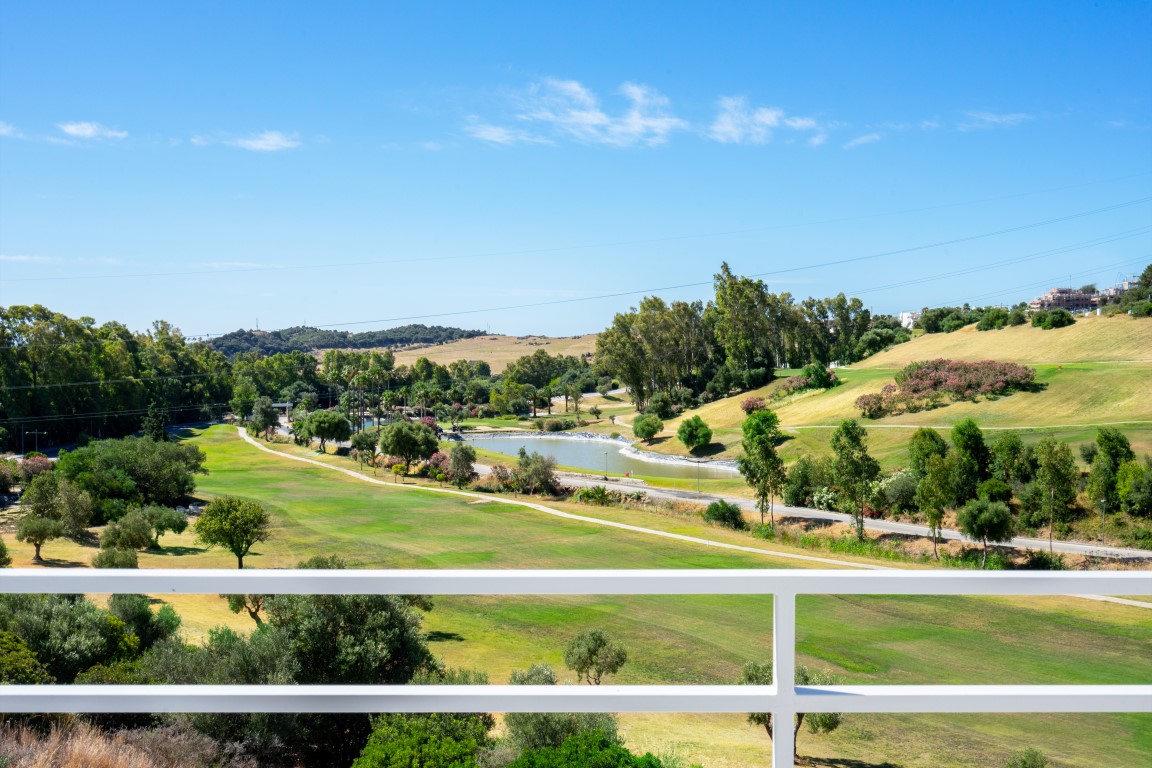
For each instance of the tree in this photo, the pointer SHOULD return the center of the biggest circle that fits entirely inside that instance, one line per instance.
(18, 663)
(155, 424)
(1112, 442)
(38, 531)
(162, 520)
(410, 440)
(924, 444)
(1056, 478)
(537, 730)
(588, 749)
(235, 524)
(435, 740)
(969, 443)
(265, 418)
(364, 444)
(1011, 460)
(461, 464)
(694, 433)
(595, 411)
(853, 468)
(328, 425)
(933, 494)
(133, 531)
(761, 466)
(647, 426)
(987, 521)
(536, 472)
(592, 654)
(818, 722)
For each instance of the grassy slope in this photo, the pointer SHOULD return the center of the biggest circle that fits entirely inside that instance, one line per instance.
(911, 640)
(1076, 391)
(498, 351)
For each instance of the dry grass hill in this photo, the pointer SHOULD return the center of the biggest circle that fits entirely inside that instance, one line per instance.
(498, 351)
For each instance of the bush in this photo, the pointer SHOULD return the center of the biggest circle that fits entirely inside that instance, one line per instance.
(593, 749)
(1039, 560)
(597, 494)
(661, 405)
(994, 489)
(900, 491)
(116, 558)
(752, 404)
(725, 514)
(1048, 319)
(1029, 758)
(559, 425)
(694, 433)
(926, 383)
(647, 427)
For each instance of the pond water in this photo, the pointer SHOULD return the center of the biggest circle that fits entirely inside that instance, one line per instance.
(591, 455)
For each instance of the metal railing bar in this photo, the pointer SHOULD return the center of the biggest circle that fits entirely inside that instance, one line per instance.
(575, 582)
(574, 698)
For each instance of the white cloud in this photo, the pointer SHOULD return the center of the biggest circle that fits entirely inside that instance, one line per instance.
(738, 123)
(89, 130)
(978, 120)
(8, 130)
(21, 259)
(497, 134)
(431, 146)
(859, 141)
(198, 141)
(567, 109)
(267, 141)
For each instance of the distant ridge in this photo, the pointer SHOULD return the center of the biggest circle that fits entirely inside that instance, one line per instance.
(307, 339)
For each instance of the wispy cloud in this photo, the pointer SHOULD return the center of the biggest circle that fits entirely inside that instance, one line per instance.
(237, 265)
(498, 134)
(266, 141)
(739, 123)
(9, 131)
(566, 109)
(859, 141)
(980, 120)
(22, 259)
(89, 130)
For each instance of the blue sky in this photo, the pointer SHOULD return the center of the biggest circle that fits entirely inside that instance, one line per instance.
(360, 165)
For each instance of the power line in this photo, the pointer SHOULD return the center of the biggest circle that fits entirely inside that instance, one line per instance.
(698, 284)
(556, 249)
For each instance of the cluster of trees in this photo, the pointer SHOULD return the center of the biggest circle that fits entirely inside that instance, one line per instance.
(997, 487)
(693, 351)
(133, 484)
(65, 379)
(1138, 299)
(307, 339)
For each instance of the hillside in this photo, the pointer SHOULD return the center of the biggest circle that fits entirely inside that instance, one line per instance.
(1088, 340)
(1073, 394)
(308, 339)
(498, 351)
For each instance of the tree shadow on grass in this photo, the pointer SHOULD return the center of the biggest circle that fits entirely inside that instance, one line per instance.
(54, 562)
(842, 762)
(440, 637)
(177, 551)
(709, 450)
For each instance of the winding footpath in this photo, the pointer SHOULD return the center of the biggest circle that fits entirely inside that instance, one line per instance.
(612, 524)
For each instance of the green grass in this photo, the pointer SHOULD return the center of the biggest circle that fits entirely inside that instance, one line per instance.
(693, 639)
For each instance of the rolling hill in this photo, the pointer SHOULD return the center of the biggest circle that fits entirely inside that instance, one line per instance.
(498, 351)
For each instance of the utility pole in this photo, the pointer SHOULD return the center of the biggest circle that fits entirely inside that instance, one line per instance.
(1103, 507)
(1051, 516)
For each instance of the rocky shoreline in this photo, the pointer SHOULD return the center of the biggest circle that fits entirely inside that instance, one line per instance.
(626, 447)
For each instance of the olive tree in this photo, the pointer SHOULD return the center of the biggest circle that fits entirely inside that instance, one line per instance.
(647, 426)
(818, 722)
(593, 654)
(986, 521)
(410, 440)
(235, 524)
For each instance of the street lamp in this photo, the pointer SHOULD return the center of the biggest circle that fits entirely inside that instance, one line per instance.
(605, 465)
(1103, 506)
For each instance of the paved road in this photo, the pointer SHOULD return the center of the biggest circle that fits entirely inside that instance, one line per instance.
(884, 526)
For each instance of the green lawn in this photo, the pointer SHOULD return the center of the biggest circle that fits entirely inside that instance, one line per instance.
(697, 639)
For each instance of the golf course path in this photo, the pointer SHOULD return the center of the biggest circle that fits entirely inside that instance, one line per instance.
(610, 523)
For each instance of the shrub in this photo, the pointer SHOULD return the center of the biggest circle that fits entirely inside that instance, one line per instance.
(725, 514)
(33, 465)
(647, 427)
(559, 425)
(597, 494)
(660, 405)
(926, 383)
(900, 491)
(694, 433)
(116, 558)
(814, 376)
(1048, 319)
(752, 404)
(994, 489)
(1029, 758)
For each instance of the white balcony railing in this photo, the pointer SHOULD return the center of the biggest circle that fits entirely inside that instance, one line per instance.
(781, 698)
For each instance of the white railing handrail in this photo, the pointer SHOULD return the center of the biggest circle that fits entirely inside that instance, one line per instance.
(783, 701)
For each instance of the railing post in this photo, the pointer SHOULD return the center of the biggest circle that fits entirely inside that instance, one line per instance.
(784, 679)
